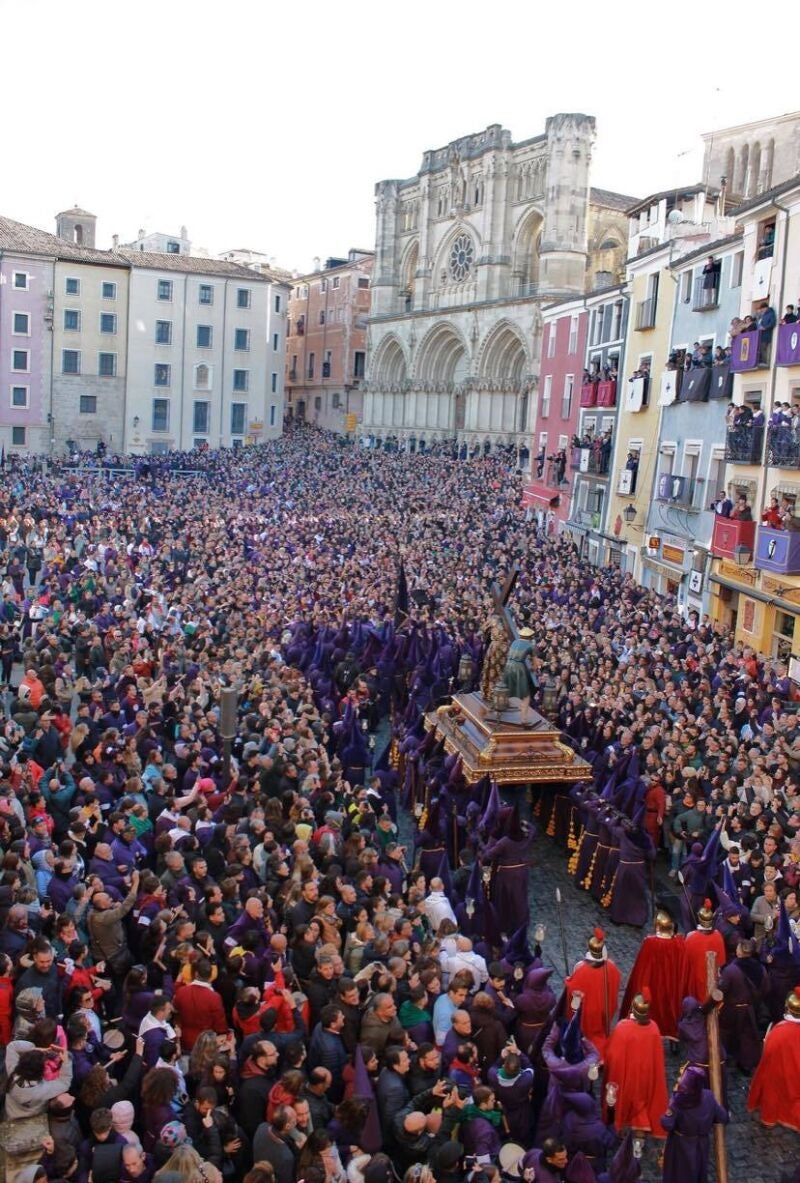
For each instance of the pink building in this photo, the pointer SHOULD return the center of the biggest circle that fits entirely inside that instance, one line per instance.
(558, 408)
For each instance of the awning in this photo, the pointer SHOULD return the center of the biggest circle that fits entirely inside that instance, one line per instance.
(755, 594)
(676, 574)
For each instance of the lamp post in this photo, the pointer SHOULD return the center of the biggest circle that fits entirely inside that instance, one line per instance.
(743, 554)
(629, 513)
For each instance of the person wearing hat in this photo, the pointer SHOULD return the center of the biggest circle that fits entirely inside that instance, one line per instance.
(661, 967)
(572, 1063)
(598, 981)
(775, 1088)
(517, 673)
(635, 1064)
(691, 1116)
(705, 939)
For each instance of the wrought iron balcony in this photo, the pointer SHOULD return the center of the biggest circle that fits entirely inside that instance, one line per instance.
(744, 445)
(783, 446)
(704, 299)
(730, 533)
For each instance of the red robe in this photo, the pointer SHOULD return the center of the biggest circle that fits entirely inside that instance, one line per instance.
(775, 1088)
(635, 1062)
(698, 943)
(661, 966)
(589, 976)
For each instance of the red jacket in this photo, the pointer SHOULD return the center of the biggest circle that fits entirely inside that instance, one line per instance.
(6, 1009)
(199, 1009)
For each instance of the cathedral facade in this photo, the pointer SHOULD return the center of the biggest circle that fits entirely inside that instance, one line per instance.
(466, 253)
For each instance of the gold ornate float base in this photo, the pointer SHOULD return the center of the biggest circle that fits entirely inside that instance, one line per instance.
(502, 747)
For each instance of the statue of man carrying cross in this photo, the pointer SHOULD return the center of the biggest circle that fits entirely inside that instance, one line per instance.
(509, 651)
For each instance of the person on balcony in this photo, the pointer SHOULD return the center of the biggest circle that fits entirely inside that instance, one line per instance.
(711, 272)
(772, 515)
(790, 316)
(767, 320)
(723, 506)
(742, 511)
(721, 356)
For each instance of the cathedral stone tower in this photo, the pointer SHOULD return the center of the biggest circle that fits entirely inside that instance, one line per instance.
(570, 139)
(77, 226)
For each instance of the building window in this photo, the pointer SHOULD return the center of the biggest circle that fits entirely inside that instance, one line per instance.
(160, 421)
(88, 404)
(21, 281)
(162, 375)
(72, 287)
(72, 320)
(107, 365)
(20, 361)
(19, 397)
(204, 336)
(272, 415)
(737, 267)
(206, 293)
(275, 342)
(243, 296)
(551, 340)
(238, 412)
(686, 287)
(241, 339)
(566, 398)
(241, 379)
(163, 332)
(18, 437)
(22, 324)
(173, 248)
(359, 363)
(311, 360)
(109, 290)
(274, 383)
(70, 361)
(277, 303)
(165, 289)
(322, 316)
(201, 418)
(323, 285)
(336, 400)
(108, 322)
(336, 283)
(573, 334)
(363, 281)
(202, 377)
(546, 395)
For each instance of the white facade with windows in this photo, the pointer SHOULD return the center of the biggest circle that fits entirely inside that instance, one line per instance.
(199, 359)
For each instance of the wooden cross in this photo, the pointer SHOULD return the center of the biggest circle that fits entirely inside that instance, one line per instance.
(501, 594)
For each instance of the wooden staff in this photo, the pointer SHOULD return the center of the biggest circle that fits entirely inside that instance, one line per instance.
(715, 1065)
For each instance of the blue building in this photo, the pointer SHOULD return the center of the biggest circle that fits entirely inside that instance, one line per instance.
(693, 397)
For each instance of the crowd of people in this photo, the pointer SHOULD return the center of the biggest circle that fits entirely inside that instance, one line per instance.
(220, 957)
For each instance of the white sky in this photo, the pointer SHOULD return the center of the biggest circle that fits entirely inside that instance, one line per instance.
(265, 123)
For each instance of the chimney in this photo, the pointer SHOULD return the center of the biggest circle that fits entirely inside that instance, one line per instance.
(184, 232)
(141, 235)
(115, 242)
(315, 263)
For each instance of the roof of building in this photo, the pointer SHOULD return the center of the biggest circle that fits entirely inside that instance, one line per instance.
(168, 261)
(767, 196)
(676, 192)
(16, 236)
(718, 132)
(76, 211)
(608, 197)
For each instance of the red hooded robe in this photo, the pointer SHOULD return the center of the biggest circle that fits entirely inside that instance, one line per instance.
(775, 1088)
(698, 943)
(661, 967)
(596, 1017)
(635, 1063)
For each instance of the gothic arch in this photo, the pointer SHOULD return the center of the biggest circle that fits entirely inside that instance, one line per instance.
(503, 356)
(389, 364)
(525, 254)
(442, 356)
(441, 269)
(408, 271)
(730, 162)
(755, 170)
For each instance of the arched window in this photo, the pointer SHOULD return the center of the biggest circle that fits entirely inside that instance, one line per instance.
(754, 186)
(741, 176)
(730, 161)
(78, 235)
(202, 377)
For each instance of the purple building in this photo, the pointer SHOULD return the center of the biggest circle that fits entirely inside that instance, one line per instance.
(26, 303)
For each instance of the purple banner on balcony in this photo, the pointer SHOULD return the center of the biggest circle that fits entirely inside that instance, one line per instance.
(778, 550)
(721, 382)
(789, 345)
(744, 351)
(695, 385)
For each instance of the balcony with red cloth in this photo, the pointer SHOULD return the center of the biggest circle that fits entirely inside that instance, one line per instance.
(730, 533)
(607, 393)
(589, 394)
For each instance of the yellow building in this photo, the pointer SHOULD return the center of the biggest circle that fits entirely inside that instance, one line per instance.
(756, 567)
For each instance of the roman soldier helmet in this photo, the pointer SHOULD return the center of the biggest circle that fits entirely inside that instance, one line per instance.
(595, 945)
(793, 1003)
(664, 923)
(640, 1011)
(705, 915)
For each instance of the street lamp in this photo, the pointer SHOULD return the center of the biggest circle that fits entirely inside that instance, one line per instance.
(742, 554)
(629, 513)
(549, 697)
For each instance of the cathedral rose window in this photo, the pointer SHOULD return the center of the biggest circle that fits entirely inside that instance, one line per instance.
(461, 257)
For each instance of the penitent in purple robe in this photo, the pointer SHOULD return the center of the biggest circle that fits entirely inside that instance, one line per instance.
(629, 897)
(509, 891)
(689, 1127)
(513, 1094)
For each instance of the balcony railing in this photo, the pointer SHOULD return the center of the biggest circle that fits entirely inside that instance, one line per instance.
(607, 393)
(704, 298)
(788, 345)
(783, 446)
(292, 375)
(745, 444)
(646, 314)
(728, 534)
(749, 351)
(588, 459)
(676, 490)
(778, 551)
(589, 394)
